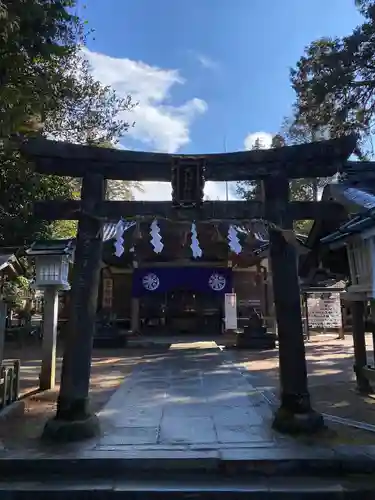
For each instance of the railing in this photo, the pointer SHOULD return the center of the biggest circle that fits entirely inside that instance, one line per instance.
(9, 383)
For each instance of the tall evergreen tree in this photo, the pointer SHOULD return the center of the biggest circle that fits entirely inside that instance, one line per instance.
(46, 87)
(334, 82)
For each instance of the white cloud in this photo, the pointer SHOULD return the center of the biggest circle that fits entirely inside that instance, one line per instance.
(160, 125)
(162, 191)
(205, 61)
(264, 137)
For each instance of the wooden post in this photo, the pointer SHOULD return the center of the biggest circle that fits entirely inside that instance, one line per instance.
(134, 307)
(270, 298)
(3, 315)
(73, 419)
(47, 377)
(295, 413)
(359, 343)
(135, 315)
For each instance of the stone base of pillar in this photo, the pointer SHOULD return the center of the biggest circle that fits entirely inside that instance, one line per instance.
(363, 385)
(73, 422)
(295, 416)
(364, 389)
(68, 431)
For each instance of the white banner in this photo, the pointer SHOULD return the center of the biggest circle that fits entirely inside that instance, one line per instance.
(230, 311)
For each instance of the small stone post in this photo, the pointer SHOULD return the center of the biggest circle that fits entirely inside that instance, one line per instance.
(47, 377)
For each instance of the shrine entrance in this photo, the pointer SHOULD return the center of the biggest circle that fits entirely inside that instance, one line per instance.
(181, 311)
(181, 299)
(273, 167)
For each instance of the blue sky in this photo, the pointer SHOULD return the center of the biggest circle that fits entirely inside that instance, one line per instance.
(206, 72)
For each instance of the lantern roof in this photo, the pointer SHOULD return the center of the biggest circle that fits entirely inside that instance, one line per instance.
(51, 247)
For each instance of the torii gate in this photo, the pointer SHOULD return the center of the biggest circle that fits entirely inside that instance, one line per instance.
(274, 167)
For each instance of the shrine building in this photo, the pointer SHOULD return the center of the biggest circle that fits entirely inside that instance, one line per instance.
(173, 290)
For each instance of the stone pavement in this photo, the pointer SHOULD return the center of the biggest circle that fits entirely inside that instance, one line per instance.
(184, 415)
(189, 398)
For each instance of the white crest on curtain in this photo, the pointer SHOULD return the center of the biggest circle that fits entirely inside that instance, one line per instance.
(234, 242)
(120, 228)
(156, 237)
(195, 247)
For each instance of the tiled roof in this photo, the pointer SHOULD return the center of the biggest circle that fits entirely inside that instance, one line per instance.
(5, 260)
(358, 199)
(257, 229)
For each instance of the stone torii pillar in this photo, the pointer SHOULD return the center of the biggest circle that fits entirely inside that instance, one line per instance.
(295, 414)
(73, 420)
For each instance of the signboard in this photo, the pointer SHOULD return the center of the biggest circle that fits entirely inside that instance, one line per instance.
(324, 310)
(230, 311)
(107, 293)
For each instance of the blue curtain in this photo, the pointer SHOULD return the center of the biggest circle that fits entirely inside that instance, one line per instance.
(195, 279)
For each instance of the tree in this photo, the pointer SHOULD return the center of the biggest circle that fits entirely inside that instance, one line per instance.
(251, 190)
(14, 291)
(86, 111)
(116, 189)
(366, 7)
(300, 189)
(295, 130)
(36, 35)
(19, 188)
(46, 88)
(334, 82)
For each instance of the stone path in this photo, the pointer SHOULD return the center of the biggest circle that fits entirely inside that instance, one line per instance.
(190, 409)
(189, 398)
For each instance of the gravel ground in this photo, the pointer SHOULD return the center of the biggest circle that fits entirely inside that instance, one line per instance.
(331, 383)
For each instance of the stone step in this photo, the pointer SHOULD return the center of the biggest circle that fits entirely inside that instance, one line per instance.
(238, 463)
(185, 488)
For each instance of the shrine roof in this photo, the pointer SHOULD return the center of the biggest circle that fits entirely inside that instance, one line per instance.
(8, 261)
(358, 198)
(355, 192)
(176, 246)
(62, 158)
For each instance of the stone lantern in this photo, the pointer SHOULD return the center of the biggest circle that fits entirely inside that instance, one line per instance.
(52, 260)
(358, 238)
(361, 257)
(52, 271)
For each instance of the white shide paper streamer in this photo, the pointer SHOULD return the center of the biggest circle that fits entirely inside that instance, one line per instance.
(195, 247)
(234, 242)
(156, 237)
